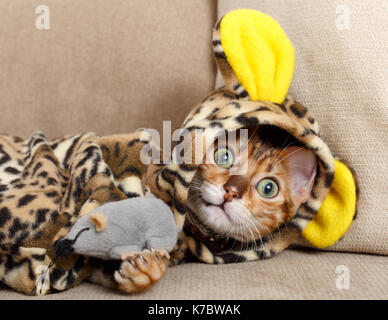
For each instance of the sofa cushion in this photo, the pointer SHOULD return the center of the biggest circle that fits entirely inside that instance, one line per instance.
(103, 67)
(341, 76)
(289, 275)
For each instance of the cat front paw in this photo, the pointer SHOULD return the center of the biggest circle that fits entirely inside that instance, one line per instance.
(134, 254)
(142, 271)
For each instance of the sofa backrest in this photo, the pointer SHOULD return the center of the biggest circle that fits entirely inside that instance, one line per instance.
(103, 66)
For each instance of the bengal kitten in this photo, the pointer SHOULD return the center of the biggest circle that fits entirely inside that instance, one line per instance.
(248, 206)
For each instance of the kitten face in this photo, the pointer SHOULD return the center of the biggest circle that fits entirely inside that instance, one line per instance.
(250, 205)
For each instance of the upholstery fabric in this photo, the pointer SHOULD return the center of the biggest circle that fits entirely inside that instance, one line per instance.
(290, 275)
(103, 66)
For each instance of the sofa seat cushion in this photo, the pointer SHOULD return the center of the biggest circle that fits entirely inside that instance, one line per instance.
(293, 274)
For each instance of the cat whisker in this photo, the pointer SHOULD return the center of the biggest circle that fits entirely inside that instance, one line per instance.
(258, 232)
(253, 134)
(245, 241)
(240, 234)
(231, 231)
(235, 239)
(196, 180)
(282, 148)
(196, 183)
(288, 156)
(276, 161)
(295, 166)
(263, 226)
(286, 226)
(195, 196)
(254, 244)
(194, 188)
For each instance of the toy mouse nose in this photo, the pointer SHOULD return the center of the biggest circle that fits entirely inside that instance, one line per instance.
(231, 193)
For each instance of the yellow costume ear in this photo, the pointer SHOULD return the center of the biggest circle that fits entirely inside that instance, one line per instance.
(337, 211)
(259, 52)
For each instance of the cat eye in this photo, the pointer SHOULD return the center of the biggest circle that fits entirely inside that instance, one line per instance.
(267, 188)
(224, 158)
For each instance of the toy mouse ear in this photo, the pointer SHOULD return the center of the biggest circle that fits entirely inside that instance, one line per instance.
(337, 211)
(99, 221)
(252, 47)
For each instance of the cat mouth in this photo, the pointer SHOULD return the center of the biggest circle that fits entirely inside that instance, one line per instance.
(220, 206)
(213, 204)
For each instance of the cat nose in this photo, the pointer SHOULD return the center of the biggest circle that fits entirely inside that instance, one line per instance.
(231, 193)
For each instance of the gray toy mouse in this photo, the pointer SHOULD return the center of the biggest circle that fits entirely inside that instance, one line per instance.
(122, 229)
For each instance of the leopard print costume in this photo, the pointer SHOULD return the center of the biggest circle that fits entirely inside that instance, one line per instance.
(45, 186)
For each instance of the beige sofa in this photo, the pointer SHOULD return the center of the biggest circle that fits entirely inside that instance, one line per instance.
(114, 66)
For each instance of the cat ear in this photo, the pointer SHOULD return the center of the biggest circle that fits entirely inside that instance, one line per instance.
(302, 166)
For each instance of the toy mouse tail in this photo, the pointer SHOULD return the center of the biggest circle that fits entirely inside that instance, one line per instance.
(63, 249)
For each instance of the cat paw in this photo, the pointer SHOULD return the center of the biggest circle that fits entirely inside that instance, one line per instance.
(131, 255)
(161, 252)
(134, 254)
(137, 274)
